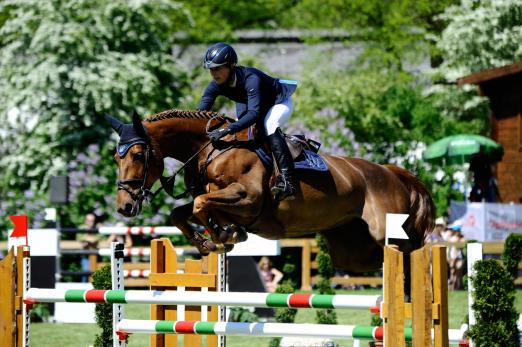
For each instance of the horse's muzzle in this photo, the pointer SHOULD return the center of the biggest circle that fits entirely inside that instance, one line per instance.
(129, 209)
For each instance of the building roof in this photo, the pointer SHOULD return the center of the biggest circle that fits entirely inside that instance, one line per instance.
(489, 74)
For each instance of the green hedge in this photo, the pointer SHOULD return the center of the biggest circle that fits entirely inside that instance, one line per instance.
(326, 270)
(288, 286)
(512, 254)
(494, 306)
(101, 279)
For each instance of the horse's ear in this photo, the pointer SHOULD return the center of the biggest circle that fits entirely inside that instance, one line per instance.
(138, 126)
(115, 124)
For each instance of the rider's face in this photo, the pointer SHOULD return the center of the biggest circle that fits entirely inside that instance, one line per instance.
(220, 74)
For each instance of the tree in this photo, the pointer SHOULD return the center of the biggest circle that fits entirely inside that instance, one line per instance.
(384, 110)
(216, 20)
(63, 65)
(480, 35)
(393, 31)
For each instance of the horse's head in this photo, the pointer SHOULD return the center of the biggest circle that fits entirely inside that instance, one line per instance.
(139, 165)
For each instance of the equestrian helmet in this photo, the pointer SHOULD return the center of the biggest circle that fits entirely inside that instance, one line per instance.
(220, 54)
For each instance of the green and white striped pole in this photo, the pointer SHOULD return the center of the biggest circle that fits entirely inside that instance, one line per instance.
(254, 329)
(36, 295)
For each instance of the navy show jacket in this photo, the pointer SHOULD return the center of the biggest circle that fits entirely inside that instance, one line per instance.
(254, 94)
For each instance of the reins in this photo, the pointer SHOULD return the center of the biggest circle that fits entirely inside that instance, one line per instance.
(170, 178)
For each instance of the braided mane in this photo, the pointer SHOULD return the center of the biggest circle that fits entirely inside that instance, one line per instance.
(189, 114)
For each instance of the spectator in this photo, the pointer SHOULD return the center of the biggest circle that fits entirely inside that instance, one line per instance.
(437, 234)
(270, 275)
(89, 241)
(455, 256)
(484, 184)
(125, 239)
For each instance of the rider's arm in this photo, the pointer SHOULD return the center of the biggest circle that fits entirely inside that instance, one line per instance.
(209, 96)
(241, 109)
(253, 88)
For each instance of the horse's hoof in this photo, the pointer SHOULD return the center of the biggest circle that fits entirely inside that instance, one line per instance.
(239, 236)
(222, 248)
(211, 246)
(224, 236)
(204, 245)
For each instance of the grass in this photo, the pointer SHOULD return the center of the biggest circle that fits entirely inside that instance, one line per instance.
(82, 335)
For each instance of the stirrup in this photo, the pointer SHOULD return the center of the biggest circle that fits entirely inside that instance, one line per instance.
(281, 193)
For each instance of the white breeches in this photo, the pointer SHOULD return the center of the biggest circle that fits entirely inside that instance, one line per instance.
(278, 115)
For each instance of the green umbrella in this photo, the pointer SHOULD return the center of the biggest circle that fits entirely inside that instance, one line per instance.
(458, 149)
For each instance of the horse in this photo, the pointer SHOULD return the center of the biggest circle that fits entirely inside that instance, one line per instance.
(229, 185)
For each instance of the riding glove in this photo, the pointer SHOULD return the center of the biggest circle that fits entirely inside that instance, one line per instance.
(215, 135)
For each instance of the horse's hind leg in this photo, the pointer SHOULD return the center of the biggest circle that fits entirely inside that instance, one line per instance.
(352, 248)
(179, 217)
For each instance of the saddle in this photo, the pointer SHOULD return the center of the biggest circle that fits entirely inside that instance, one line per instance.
(304, 151)
(298, 143)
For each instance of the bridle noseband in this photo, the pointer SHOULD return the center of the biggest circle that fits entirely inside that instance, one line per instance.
(143, 193)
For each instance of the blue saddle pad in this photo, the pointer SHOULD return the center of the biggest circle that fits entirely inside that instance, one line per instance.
(308, 160)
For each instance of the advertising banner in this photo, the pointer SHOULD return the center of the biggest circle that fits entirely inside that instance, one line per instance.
(487, 221)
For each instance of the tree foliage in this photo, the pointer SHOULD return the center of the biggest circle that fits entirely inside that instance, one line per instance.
(393, 31)
(216, 20)
(63, 66)
(480, 35)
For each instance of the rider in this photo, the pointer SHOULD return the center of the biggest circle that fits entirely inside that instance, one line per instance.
(260, 99)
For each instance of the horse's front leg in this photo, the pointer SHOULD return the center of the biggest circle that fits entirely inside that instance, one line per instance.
(234, 200)
(179, 217)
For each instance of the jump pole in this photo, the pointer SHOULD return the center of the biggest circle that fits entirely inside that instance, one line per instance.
(140, 231)
(254, 329)
(272, 300)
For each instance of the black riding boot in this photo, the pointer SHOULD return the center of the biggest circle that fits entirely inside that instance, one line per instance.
(284, 187)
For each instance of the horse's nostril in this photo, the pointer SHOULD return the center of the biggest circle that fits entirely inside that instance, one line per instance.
(128, 207)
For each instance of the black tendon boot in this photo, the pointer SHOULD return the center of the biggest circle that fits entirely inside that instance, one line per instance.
(284, 187)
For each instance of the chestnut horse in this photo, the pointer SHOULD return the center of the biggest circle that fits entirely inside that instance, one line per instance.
(230, 189)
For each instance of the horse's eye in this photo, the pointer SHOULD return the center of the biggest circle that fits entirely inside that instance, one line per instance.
(137, 156)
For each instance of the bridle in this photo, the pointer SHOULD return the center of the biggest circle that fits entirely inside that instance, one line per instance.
(144, 193)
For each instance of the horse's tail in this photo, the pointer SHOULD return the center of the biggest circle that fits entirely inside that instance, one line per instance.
(422, 208)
